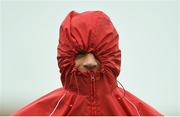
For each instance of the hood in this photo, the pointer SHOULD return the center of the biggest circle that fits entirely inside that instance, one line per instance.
(90, 31)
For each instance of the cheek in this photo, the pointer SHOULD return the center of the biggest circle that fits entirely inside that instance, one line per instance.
(78, 62)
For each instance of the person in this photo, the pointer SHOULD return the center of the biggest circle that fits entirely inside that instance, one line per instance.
(89, 59)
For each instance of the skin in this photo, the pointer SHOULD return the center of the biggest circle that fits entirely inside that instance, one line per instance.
(86, 61)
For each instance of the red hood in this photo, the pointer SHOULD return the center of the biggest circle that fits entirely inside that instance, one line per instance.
(90, 31)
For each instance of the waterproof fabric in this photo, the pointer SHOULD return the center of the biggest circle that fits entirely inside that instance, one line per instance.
(89, 92)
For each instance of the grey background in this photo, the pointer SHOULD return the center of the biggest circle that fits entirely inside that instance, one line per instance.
(148, 39)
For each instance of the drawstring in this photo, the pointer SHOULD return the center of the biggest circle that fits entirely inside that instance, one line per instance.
(74, 75)
(76, 82)
(73, 72)
(124, 92)
(133, 106)
(57, 104)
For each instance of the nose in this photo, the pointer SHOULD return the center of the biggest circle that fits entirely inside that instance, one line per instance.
(90, 62)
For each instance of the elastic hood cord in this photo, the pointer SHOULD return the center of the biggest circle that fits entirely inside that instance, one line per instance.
(124, 92)
(77, 85)
(57, 104)
(62, 96)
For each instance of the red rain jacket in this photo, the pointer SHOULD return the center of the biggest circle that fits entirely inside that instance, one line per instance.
(91, 92)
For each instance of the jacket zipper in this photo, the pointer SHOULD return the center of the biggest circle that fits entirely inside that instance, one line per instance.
(93, 95)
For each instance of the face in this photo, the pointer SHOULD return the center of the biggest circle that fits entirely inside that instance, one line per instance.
(86, 61)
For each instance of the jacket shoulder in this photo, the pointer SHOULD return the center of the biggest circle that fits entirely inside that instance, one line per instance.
(143, 107)
(40, 106)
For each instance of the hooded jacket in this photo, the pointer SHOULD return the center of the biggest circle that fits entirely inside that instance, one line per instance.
(89, 93)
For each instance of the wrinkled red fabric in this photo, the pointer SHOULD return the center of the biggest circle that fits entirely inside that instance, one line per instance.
(90, 92)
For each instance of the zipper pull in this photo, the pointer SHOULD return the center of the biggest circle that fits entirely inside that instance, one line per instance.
(92, 77)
